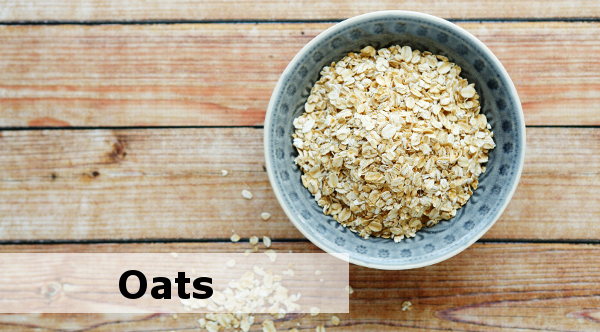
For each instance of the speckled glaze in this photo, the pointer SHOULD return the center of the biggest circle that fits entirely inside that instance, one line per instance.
(499, 102)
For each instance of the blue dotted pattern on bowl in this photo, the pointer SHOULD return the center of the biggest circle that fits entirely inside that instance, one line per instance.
(502, 111)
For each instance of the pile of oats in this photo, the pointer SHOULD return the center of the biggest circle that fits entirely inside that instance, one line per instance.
(256, 291)
(245, 295)
(391, 141)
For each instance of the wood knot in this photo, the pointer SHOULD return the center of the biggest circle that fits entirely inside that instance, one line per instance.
(118, 151)
(591, 315)
(51, 290)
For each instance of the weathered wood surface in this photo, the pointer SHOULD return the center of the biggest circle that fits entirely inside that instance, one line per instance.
(166, 184)
(149, 184)
(224, 74)
(136, 10)
(488, 287)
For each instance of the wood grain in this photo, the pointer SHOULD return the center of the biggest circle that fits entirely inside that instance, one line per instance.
(224, 74)
(135, 10)
(488, 287)
(166, 184)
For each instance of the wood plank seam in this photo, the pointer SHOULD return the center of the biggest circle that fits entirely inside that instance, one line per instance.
(132, 10)
(332, 20)
(217, 127)
(282, 240)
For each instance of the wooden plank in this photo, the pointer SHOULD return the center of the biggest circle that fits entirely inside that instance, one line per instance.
(134, 10)
(488, 287)
(166, 183)
(224, 74)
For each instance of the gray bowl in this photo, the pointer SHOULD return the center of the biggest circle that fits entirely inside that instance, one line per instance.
(499, 101)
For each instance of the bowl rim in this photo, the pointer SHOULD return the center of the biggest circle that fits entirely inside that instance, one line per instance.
(332, 31)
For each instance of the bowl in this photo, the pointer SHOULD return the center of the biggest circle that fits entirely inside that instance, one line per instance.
(499, 102)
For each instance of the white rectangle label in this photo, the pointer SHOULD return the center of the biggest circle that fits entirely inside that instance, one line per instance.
(173, 283)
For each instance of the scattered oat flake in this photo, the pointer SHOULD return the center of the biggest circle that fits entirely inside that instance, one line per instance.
(272, 255)
(253, 240)
(320, 328)
(255, 249)
(247, 252)
(212, 327)
(231, 263)
(335, 320)
(294, 330)
(224, 172)
(265, 215)
(267, 241)
(202, 322)
(235, 238)
(289, 272)
(406, 305)
(268, 326)
(174, 316)
(258, 270)
(174, 254)
(318, 272)
(247, 194)
(350, 289)
(314, 311)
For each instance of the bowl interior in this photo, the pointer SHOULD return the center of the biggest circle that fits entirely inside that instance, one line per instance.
(499, 103)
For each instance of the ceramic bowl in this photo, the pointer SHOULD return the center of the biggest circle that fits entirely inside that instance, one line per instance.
(499, 102)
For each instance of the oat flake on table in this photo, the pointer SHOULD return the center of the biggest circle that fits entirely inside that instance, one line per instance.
(392, 141)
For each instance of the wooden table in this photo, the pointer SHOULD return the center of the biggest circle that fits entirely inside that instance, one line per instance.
(118, 116)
